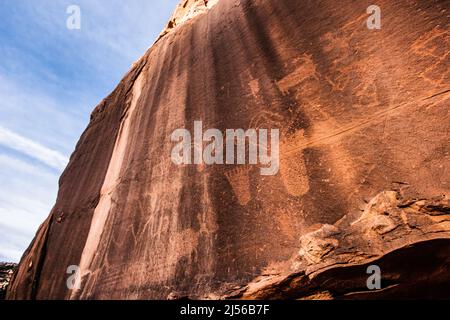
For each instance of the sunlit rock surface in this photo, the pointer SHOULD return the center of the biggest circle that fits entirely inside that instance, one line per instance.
(6, 272)
(364, 161)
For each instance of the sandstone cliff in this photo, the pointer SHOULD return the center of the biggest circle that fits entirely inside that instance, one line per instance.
(364, 171)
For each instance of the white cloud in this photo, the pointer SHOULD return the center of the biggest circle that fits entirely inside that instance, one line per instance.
(9, 253)
(30, 148)
(27, 193)
(16, 165)
(50, 80)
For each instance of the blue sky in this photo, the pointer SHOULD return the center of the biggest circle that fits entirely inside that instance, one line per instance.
(51, 78)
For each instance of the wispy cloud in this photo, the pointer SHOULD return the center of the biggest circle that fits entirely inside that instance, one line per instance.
(28, 192)
(50, 80)
(49, 157)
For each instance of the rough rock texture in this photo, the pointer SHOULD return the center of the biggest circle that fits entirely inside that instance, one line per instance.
(6, 272)
(407, 238)
(186, 10)
(365, 152)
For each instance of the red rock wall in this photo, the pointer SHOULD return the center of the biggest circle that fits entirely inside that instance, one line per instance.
(359, 111)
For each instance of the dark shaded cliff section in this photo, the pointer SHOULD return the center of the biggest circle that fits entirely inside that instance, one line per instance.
(364, 138)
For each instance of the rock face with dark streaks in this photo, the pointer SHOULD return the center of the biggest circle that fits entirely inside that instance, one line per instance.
(364, 175)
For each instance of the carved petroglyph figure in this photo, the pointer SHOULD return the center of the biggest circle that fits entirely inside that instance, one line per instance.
(239, 179)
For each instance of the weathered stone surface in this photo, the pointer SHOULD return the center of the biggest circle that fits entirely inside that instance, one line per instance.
(187, 10)
(364, 123)
(409, 239)
(6, 272)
